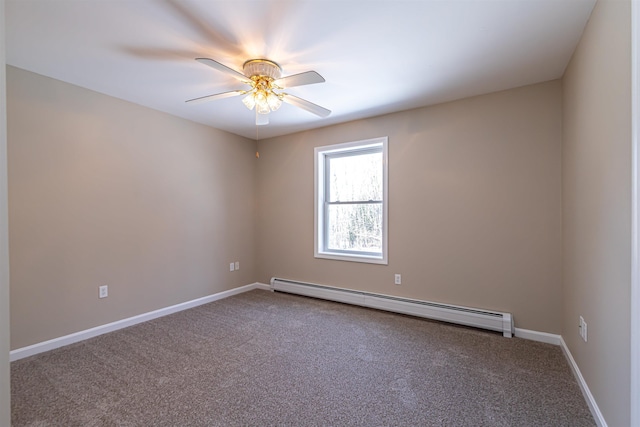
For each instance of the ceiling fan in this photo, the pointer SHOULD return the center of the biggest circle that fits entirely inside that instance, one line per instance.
(265, 81)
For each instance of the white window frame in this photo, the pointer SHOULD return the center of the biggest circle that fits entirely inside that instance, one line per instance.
(320, 155)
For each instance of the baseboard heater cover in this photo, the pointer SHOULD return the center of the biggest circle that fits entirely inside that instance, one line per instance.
(491, 320)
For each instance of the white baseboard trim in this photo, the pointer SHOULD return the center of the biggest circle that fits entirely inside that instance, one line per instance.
(591, 401)
(41, 347)
(538, 336)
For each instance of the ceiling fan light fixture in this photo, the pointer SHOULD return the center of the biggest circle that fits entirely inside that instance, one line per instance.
(265, 79)
(262, 96)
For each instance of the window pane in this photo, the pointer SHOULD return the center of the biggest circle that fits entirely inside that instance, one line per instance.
(355, 227)
(355, 178)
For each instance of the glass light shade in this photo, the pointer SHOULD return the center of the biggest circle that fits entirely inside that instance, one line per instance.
(273, 101)
(262, 108)
(261, 97)
(261, 102)
(249, 101)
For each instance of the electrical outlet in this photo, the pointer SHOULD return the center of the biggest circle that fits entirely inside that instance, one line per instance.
(398, 279)
(237, 265)
(104, 291)
(580, 322)
(583, 329)
(232, 266)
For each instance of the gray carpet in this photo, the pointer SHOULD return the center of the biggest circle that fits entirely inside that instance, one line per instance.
(264, 359)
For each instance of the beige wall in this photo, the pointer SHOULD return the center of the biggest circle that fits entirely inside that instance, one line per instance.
(104, 192)
(597, 206)
(5, 407)
(474, 205)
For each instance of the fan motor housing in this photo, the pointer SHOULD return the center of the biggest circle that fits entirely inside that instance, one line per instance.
(262, 67)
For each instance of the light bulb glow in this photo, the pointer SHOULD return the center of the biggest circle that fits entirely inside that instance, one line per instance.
(261, 96)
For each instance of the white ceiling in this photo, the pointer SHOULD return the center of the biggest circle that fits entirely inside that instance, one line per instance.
(377, 56)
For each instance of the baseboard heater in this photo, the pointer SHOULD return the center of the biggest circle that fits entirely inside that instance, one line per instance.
(491, 320)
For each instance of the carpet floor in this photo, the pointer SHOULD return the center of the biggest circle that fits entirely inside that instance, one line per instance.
(265, 359)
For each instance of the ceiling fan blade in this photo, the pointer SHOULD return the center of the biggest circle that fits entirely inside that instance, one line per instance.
(306, 78)
(215, 96)
(261, 119)
(221, 67)
(306, 105)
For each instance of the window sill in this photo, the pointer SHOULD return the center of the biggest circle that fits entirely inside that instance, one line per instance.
(352, 258)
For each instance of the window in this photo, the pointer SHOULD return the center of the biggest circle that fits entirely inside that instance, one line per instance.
(351, 201)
